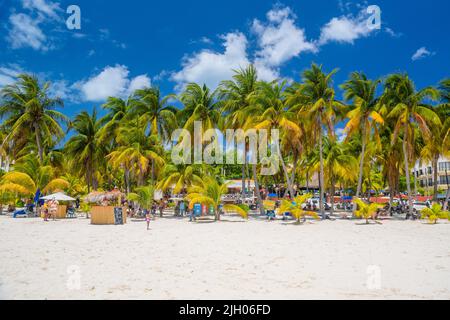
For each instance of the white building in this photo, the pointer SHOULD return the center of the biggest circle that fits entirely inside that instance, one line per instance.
(425, 175)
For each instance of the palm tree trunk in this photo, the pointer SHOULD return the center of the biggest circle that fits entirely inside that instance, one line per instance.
(361, 161)
(408, 180)
(369, 191)
(88, 176)
(321, 178)
(216, 214)
(286, 174)
(307, 181)
(258, 193)
(361, 164)
(332, 192)
(435, 177)
(415, 184)
(153, 171)
(37, 132)
(447, 199)
(243, 183)
(127, 180)
(293, 176)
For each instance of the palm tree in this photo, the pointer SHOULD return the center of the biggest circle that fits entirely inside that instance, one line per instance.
(85, 149)
(271, 112)
(339, 164)
(210, 193)
(23, 184)
(30, 110)
(179, 176)
(144, 196)
(408, 109)
(436, 144)
(235, 94)
(118, 110)
(136, 150)
(200, 104)
(366, 211)
(315, 100)
(435, 213)
(444, 89)
(296, 208)
(364, 116)
(155, 111)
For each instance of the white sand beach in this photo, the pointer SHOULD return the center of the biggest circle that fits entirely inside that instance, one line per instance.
(228, 260)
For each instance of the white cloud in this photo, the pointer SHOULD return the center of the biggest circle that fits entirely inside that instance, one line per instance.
(25, 28)
(345, 29)
(206, 40)
(43, 7)
(60, 89)
(25, 32)
(392, 33)
(8, 74)
(279, 41)
(111, 81)
(212, 67)
(422, 53)
(140, 82)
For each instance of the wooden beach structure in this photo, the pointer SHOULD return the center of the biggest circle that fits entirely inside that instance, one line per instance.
(107, 213)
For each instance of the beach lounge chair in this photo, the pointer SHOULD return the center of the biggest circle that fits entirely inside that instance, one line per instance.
(22, 212)
(271, 215)
(71, 213)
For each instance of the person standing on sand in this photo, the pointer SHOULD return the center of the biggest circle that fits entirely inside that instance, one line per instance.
(45, 210)
(147, 219)
(53, 204)
(161, 208)
(182, 208)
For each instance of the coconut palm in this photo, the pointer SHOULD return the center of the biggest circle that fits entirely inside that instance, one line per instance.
(315, 99)
(436, 144)
(118, 110)
(45, 176)
(155, 111)
(136, 152)
(408, 109)
(200, 104)
(363, 118)
(444, 90)
(236, 94)
(85, 149)
(366, 211)
(296, 208)
(179, 177)
(339, 164)
(269, 106)
(29, 110)
(435, 213)
(210, 193)
(23, 184)
(144, 196)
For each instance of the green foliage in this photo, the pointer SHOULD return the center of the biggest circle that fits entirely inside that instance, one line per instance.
(366, 211)
(435, 213)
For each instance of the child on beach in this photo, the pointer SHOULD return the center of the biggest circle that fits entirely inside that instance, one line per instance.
(45, 211)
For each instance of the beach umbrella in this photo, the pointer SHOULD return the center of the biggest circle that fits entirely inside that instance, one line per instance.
(37, 196)
(59, 197)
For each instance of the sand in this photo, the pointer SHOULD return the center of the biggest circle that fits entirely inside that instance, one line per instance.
(229, 260)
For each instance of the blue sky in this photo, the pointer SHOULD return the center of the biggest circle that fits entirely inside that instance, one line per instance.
(124, 45)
